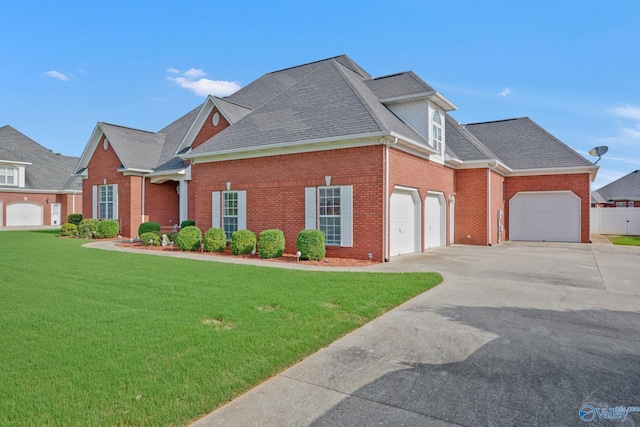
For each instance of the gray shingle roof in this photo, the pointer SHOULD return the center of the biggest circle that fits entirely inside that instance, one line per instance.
(47, 171)
(464, 144)
(398, 85)
(328, 100)
(522, 144)
(136, 149)
(625, 188)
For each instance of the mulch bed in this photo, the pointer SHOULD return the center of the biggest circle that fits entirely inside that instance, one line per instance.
(286, 258)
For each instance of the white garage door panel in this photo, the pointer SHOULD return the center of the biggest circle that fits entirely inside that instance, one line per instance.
(403, 226)
(545, 216)
(24, 214)
(433, 221)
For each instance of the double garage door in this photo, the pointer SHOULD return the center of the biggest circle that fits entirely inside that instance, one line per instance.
(545, 216)
(405, 222)
(19, 214)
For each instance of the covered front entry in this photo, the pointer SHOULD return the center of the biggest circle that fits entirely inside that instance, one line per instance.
(404, 221)
(19, 214)
(545, 216)
(434, 220)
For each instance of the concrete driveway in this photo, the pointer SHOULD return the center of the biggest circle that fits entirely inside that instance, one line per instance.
(518, 334)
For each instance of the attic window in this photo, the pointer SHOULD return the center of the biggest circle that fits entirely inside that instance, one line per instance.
(105, 144)
(436, 138)
(216, 119)
(7, 176)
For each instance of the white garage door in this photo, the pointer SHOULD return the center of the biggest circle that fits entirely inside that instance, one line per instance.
(404, 227)
(24, 214)
(433, 221)
(545, 216)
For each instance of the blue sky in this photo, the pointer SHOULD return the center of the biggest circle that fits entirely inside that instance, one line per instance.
(573, 67)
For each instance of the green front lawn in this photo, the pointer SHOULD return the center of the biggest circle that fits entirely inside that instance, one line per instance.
(625, 240)
(91, 337)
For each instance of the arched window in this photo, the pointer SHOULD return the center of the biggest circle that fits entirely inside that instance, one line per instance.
(8, 175)
(436, 138)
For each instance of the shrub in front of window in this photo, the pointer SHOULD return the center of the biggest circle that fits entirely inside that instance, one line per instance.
(88, 228)
(151, 238)
(215, 240)
(243, 242)
(74, 219)
(108, 228)
(189, 238)
(271, 244)
(146, 227)
(69, 229)
(311, 245)
(187, 223)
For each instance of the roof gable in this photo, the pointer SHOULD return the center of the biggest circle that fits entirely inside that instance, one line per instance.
(627, 187)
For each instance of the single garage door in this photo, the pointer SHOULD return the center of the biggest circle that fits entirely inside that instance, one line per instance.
(545, 216)
(433, 221)
(404, 226)
(24, 214)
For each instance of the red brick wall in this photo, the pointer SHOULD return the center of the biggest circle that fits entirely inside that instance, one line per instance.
(578, 183)
(103, 168)
(412, 171)
(65, 200)
(208, 129)
(471, 207)
(161, 203)
(276, 196)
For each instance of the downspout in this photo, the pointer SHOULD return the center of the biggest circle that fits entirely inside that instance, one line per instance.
(489, 206)
(143, 192)
(386, 203)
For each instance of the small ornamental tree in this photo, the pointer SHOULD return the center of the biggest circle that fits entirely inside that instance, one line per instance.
(108, 228)
(271, 244)
(88, 228)
(215, 240)
(243, 242)
(68, 229)
(189, 238)
(311, 245)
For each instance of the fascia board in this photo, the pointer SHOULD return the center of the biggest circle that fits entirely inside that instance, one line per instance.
(321, 144)
(13, 162)
(133, 171)
(37, 191)
(482, 164)
(592, 170)
(196, 125)
(433, 96)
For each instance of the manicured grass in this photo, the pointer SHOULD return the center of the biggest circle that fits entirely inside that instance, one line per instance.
(91, 337)
(625, 240)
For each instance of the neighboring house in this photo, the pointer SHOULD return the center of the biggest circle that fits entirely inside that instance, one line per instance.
(36, 186)
(621, 193)
(375, 163)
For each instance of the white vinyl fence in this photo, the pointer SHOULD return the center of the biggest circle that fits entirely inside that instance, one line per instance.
(623, 221)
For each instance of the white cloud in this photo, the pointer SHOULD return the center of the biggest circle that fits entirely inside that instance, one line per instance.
(193, 80)
(57, 75)
(194, 73)
(627, 112)
(506, 91)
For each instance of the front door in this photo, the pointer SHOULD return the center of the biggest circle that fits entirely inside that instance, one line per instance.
(55, 213)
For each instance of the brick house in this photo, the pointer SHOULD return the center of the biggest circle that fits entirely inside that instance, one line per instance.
(376, 163)
(36, 186)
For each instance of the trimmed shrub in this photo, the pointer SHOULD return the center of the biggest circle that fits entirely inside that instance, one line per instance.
(243, 242)
(271, 244)
(69, 229)
(215, 240)
(74, 219)
(88, 228)
(311, 245)
(108, 228)
(146, 227)
(151, 235)
(187, 223)
(189, 238)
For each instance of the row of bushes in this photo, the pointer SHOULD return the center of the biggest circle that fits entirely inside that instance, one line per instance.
(270, 243)
(90, 228)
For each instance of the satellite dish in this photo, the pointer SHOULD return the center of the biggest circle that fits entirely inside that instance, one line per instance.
(599, 152)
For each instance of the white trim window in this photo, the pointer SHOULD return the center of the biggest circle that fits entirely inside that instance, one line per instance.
(621, 204)
(229, 211)
(8, 175)
(436, 137)
(329, 209)
(104, 201)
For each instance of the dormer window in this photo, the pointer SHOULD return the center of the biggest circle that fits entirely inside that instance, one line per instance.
(8, 175)
(436, 137)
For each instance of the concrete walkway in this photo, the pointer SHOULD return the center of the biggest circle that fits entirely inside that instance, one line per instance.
(518, 334)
